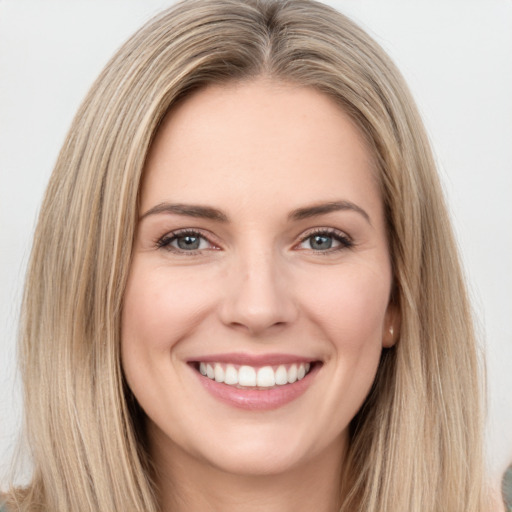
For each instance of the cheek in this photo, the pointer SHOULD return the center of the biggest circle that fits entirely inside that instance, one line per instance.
(160, 307)
(350, 305)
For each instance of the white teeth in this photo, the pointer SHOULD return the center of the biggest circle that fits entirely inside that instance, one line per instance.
(219, 373)
(292, 374)
(231, 376)
(247, 376)
(281, 376)
(265, 377)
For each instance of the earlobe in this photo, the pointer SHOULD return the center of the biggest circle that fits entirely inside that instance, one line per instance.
(391, 326)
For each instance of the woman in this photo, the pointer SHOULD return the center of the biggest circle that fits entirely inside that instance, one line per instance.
(262, 305)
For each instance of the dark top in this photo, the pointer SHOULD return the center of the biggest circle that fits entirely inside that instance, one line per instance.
(507, 488)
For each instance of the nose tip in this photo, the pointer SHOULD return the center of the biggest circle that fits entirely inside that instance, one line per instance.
(255, 322)
(258, 300)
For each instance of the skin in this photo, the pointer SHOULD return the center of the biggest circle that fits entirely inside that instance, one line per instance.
(257, 151)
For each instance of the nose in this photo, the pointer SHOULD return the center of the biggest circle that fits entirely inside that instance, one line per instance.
(258, 295)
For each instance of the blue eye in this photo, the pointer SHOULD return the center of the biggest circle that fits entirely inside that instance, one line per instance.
(322, 241)
(184, 241)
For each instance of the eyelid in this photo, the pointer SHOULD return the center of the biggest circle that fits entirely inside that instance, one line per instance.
(345, 240)
(164, 242)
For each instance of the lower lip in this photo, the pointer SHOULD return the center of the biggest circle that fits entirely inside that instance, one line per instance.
(258, 399)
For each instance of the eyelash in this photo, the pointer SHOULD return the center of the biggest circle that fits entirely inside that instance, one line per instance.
(339, 236)
(166, 241)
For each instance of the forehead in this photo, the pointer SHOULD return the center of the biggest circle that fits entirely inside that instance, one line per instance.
(262, 139)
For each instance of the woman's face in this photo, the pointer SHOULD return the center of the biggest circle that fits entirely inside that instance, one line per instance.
(260, 256)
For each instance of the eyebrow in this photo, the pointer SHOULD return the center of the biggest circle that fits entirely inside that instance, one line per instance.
(324, 208)
(198, 211)
(207, 212)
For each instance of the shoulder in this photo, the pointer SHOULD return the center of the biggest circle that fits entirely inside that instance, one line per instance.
(507, 488)
(3, 505)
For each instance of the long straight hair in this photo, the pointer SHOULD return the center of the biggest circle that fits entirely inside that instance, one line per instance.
(416, 444)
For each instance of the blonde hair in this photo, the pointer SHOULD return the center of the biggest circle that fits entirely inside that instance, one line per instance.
(416, 444)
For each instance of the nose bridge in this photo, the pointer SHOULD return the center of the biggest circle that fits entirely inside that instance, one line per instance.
(258, 295)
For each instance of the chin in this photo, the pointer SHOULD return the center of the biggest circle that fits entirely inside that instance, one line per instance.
(256, 460)
(264, 450)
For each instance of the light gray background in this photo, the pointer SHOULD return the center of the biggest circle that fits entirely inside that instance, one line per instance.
(456, 56)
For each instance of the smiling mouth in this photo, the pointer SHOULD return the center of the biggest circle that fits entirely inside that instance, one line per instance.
(251, 377)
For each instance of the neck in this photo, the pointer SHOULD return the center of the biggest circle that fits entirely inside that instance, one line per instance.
(186, 483)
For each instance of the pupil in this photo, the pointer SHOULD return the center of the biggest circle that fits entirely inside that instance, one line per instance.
(188, 242)
(321, 242)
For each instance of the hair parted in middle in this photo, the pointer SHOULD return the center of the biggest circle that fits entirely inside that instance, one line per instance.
(415, 444)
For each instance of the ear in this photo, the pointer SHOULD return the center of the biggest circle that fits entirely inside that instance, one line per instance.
(391, 326)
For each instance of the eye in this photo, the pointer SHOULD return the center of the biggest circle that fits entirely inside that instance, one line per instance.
(185, 241)
(325, 240)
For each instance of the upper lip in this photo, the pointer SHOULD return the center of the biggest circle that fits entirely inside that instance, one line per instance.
(253, 359)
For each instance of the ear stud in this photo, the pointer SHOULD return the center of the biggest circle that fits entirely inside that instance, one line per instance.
(391, 330)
